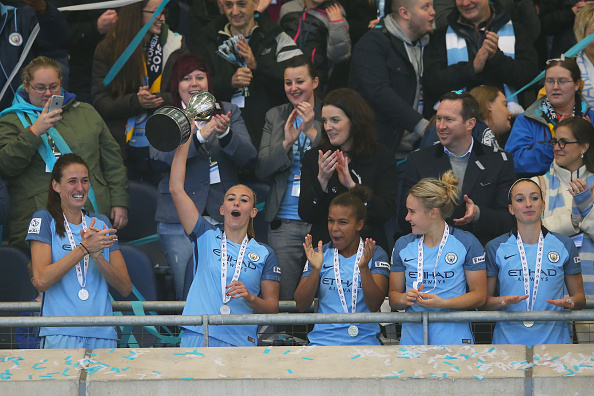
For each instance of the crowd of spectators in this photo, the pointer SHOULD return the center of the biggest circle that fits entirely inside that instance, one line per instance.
(356, 118)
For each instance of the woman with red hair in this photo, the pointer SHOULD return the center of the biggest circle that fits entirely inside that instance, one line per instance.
(220, 148)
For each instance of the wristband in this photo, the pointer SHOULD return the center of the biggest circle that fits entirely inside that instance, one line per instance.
(80, 244)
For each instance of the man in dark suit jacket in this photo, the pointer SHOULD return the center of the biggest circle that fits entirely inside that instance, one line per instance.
(485, 175)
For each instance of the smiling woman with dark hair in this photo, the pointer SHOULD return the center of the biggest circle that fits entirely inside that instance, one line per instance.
(348, 155)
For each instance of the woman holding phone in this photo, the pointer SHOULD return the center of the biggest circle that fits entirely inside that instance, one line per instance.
(32, 139)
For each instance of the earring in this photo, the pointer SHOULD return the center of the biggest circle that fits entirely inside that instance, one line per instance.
(582, 155)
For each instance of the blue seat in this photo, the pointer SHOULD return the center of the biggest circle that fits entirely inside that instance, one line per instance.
(141, 211)
(142, 274)
(15, 283)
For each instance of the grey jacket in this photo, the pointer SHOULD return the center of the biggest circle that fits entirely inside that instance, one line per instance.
(232, 153)
(273, 161)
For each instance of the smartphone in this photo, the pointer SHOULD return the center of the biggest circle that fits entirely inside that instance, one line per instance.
(56, 103)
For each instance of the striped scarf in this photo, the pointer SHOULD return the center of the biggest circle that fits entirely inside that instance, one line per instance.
(457, 51)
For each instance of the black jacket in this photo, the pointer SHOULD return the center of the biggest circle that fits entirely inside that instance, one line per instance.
(383, 74)
(440, 78)
(377, 171)
(52, 35)
(266, 89)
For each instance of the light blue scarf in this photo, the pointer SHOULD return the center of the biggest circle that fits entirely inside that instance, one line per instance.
(21, 107)
(457, 51)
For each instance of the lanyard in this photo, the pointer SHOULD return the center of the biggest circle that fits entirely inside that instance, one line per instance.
(526, 271)
(355, 285)
(79, 272)
(300, 144)
(444, 239)
(238, 264)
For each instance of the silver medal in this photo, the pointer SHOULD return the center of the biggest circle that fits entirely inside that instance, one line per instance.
(353, 330)
(528, 323)
(83, 294)
(225, 310)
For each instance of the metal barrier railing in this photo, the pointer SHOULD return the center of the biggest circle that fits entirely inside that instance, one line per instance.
(297, 319)
(166, 306)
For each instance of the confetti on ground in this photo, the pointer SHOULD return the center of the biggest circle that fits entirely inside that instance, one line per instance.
(305, 358)
(355, 357)
(289, 371)
(267, 350)
(478, 377)
(287, 351)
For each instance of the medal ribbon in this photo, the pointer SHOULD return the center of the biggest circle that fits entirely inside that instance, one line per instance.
(238, 264)
(526, 271)
(444, 239)
(79, 272)
(355, 285)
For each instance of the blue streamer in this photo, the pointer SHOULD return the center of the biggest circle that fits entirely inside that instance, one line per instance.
(573, 51)
(117, 66)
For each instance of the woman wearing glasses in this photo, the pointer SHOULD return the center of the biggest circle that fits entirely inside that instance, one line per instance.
(528, 141)
(32, 138)
(567, 190)
(136, 91)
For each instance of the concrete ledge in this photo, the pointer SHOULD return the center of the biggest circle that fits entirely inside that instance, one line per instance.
(40, 372)
(311, 370)
(418, 370)
(563, 369)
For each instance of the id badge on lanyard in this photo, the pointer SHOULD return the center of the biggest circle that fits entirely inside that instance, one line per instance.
(295, 191)
(215, 176)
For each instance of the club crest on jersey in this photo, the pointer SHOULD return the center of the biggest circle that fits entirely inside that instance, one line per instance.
(553, 257)
(451, 258)
(15, 39)
(253, 256)
(35, 226)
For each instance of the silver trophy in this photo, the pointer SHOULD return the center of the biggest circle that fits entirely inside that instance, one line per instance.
(170, 127)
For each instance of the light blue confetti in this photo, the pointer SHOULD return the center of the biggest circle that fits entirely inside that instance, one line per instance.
(30, 376)
(287, 351)
(67, 357)
(355, 357)
(188, 378)
(400, 372)
(127, 368)
(480, 361)
(392, 376)
(112, 350)
(403, 357)
(457, 368)
(156, 372)
(491, 350)
(576, 368)
(555, 358)
(522, 369)
(478, 377)
(289, 371)
(444, 375)
(48, 379)
(91, 354)
(267, 350)
(117, 370)
(451, 364)
(464, 356)
(450, 357)
(64, 372)
(305, 358)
